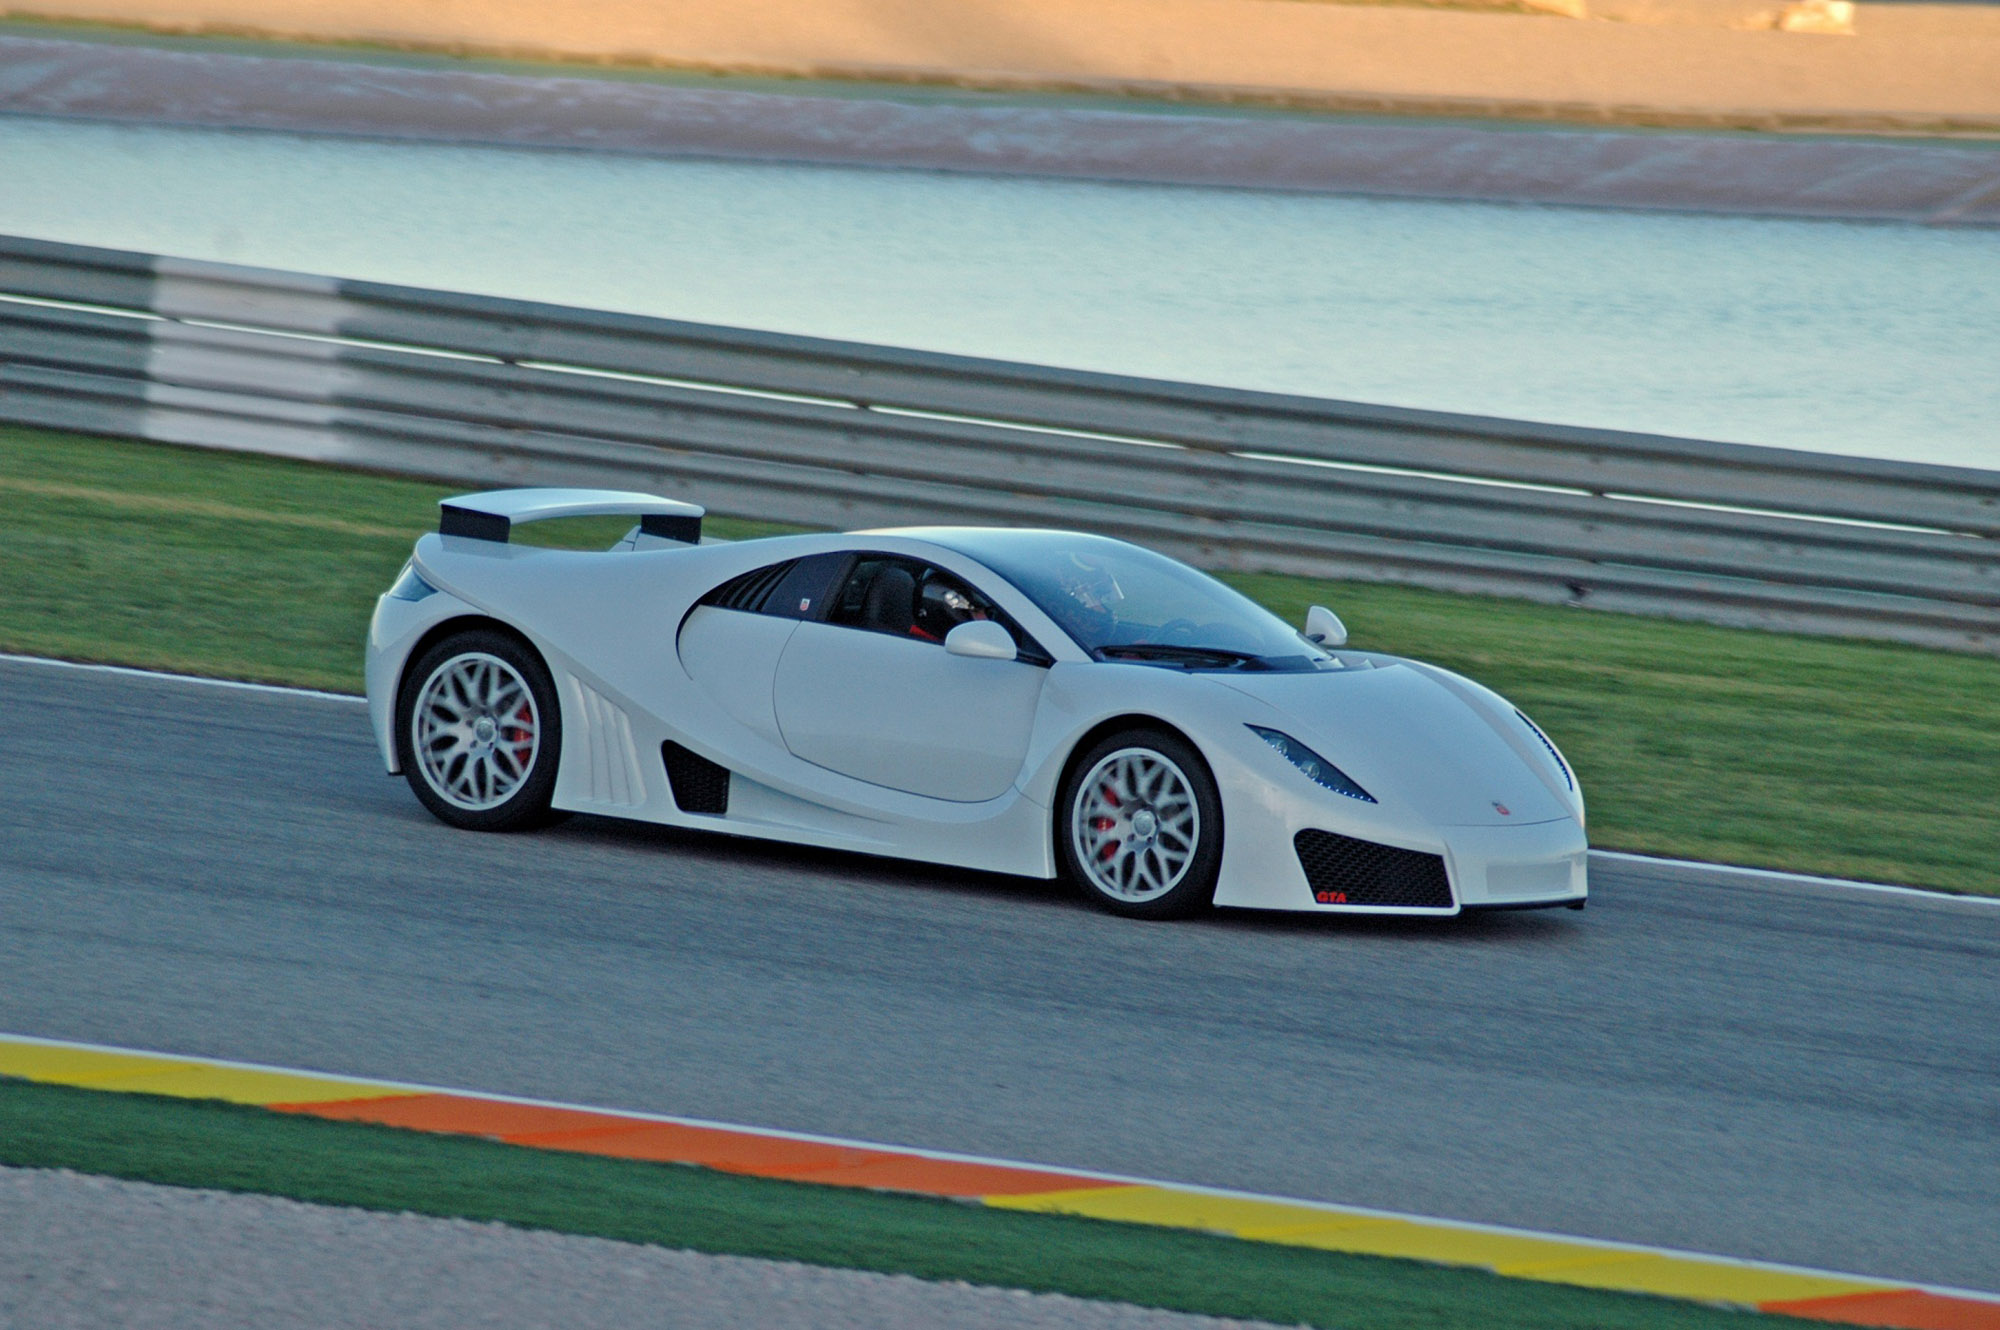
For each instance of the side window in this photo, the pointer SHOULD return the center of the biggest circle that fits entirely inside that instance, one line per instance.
(909, 598)
(803, 592)
(746, 591)
(794, 589)
(944, 602)
(880, 595)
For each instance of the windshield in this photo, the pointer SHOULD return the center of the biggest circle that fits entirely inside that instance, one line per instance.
(1124, 603)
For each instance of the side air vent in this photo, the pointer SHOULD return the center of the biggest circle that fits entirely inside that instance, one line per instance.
(700, 786)
(612, 776)
(1344, 871)
(748, 591)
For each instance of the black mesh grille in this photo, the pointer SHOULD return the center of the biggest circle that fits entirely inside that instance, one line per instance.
(700, 786)
(747, 591)
(1344, 871)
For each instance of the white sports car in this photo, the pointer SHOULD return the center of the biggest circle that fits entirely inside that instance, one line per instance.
(1028, 702)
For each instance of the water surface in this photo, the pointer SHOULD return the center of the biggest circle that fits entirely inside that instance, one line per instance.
(1845, 337)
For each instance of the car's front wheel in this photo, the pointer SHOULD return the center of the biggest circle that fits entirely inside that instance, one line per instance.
(478, 731)
(1140, 827)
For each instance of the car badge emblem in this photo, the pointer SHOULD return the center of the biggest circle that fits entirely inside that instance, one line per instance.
(1501, 809)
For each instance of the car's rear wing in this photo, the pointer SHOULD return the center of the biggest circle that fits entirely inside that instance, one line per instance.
(494, 514)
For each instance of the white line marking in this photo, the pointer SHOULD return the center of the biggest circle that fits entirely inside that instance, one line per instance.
(1331, 1207)
(1778, 877)
(165, 676)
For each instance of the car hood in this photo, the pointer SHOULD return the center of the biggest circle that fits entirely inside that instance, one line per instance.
(1410, 740)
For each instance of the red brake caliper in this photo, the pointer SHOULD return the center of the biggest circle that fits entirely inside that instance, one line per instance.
(1105, 824)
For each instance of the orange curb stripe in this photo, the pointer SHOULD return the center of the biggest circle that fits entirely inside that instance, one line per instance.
(1906, 1309)
(580, 1131)
(728, 1151)
(946, 1177)
(461, 1115)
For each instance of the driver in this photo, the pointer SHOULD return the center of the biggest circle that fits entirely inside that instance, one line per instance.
(942, 607)
(1091, 597)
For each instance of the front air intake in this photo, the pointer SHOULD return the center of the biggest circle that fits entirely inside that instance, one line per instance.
(1344, 871)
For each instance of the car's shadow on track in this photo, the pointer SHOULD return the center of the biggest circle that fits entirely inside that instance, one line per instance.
(722, 851)
(719, 849)
(1476, 928)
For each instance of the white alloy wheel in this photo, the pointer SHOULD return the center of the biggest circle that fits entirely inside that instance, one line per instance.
(1135, 825)
(475, 731)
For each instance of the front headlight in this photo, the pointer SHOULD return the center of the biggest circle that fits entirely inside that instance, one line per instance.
(1316, 768)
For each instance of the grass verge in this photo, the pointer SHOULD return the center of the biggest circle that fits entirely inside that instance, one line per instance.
(1812, 754)
(231, 1147)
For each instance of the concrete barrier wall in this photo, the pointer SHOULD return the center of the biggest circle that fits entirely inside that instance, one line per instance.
(839, 434)
(1681, 61)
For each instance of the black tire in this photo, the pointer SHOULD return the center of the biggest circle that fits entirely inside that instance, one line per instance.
(460, 783)
(1159, 866)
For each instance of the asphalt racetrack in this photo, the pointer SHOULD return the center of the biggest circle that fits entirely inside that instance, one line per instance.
(1801, 1076)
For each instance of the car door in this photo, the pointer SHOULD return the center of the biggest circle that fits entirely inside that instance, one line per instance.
(731, 643)
(870, 692)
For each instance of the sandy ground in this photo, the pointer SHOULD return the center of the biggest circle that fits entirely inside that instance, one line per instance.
(192, 82)
(1699, 62)
(81, 1251)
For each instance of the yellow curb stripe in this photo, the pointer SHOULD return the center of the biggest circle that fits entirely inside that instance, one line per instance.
(1169, 1207)
(186, 1078)
(1707, 1281)
(1521, 1255)
(238, 1087)
(73, 1066)
(1547, 1258)
(1418, 1241)
(1570, 1260)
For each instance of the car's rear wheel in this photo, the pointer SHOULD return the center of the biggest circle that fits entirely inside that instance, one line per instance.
(1140, 828)
(478, 731)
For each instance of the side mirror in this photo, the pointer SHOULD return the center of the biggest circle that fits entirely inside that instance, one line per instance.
(981, 639)
(1324, 627)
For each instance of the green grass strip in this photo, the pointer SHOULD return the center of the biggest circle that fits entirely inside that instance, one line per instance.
(230, 1147)
(1813, 754)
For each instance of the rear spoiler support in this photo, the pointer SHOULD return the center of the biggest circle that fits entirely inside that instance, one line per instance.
(493, 514)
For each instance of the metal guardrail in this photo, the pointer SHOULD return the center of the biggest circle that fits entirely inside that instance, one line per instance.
(826, 433)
